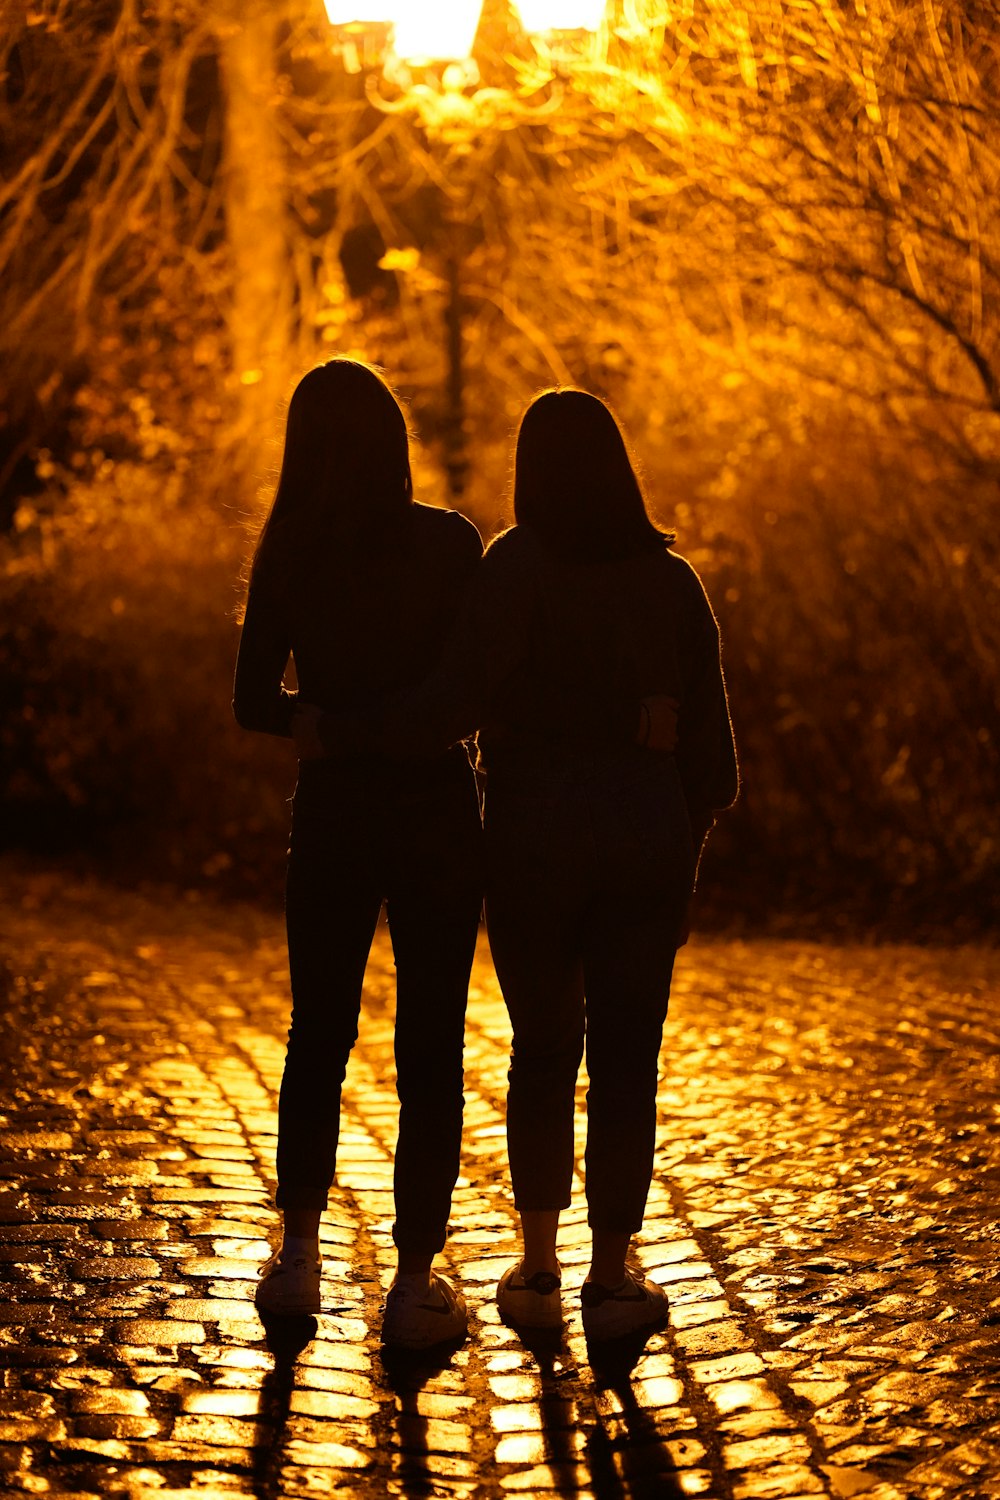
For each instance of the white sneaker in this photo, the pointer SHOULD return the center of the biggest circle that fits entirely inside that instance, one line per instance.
(612, 1312)
(289, 1286)
(535, 1303)
(418, 1320)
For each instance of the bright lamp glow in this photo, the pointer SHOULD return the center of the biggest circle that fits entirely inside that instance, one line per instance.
(422, 30)
(560, 15)
(443, 32)
(360, 12)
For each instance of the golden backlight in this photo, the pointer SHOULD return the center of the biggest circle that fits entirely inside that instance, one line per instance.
(435, 33)
(357, 12)
(561, 15)
(421, 32)
(444, 33)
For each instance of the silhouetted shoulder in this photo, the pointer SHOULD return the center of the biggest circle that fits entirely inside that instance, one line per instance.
(513, 542)
(515, 550)
(448, 529)
(688, 585)
(681, 570)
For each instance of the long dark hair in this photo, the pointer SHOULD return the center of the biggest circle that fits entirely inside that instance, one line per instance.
(575, 485)
(345, 471)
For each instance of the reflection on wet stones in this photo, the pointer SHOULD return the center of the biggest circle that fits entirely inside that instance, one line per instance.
(816, 1217)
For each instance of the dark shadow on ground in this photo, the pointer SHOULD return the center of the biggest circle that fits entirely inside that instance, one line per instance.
(406, 1374)
(627, 1449)
(559, 1376)
(285, 1337)
(626, 1452)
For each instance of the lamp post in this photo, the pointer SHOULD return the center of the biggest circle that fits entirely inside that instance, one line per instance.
(409, 39)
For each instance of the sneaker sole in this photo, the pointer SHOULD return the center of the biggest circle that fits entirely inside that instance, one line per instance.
(525, 1318)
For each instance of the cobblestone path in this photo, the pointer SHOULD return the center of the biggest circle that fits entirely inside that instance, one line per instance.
(824, 1214)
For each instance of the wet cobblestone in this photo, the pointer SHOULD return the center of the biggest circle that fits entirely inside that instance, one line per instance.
(824, 1214)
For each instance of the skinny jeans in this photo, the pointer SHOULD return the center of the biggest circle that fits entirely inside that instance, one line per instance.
(409, 835)
(590, 865)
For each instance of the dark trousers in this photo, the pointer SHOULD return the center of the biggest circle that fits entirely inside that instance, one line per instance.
(589, 869)
(409, 835)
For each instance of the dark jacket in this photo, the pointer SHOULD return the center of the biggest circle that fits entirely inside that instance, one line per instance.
(552, 652)
(359, 621)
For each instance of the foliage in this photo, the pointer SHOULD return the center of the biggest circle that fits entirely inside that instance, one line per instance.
(117, 643)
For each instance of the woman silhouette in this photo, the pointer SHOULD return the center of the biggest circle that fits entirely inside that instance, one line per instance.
(592, 847)
(582, 630)
(361, 586)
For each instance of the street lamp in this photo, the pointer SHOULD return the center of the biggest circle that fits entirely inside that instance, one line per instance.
(419, 32)
(541, 16)
(412, 34)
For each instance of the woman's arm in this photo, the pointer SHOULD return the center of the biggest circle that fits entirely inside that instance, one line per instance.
(706, 751)
(260, 699)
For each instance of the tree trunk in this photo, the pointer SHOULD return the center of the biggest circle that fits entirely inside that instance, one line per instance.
(257, 228)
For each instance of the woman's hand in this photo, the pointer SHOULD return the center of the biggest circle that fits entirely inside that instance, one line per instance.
(658, 722)
(305, 732)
